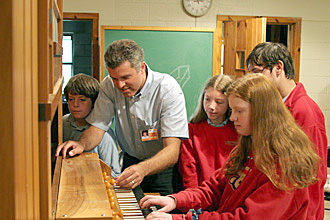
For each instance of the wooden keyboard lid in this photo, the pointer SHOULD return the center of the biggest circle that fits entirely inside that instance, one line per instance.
(82, 193)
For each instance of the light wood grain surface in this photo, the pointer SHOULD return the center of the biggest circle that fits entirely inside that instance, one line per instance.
(82, 193)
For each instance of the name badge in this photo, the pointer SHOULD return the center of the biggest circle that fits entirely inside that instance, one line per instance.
(149, 135)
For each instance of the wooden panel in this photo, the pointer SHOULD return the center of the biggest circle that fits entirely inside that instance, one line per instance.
(56, 184)
(230, 48)
(256, 33)
(82, 192)
(50, 89)
(7, 156)
(43, 51)
(240, 48)
(241, 35)
(19, 197)
(45, 170)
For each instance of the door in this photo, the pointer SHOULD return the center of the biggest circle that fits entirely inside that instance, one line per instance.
(241, 37)
(240, 34)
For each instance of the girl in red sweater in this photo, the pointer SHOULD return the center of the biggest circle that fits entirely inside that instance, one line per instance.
(211, 135)
(267, 174)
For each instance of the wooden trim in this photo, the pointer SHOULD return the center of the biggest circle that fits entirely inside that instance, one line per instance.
(58, 50)
(80, 16)
(219, 29)
(102, 52)
(95, 38)
(147, 28)
(270, 20)
(57, 11)
(47, 110)
(96, 49)
(217, 40)
(60, 23)
(233, 17)
(282, 20)
(295, 47)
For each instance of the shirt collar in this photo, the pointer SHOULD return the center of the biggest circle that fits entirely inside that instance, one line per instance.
(220, 125)
(74, 125)
(147, 85)
(286, 97)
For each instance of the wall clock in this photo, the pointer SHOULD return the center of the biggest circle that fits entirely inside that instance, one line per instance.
(197, 8)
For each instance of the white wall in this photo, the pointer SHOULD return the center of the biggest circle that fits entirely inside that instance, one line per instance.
(315, 36)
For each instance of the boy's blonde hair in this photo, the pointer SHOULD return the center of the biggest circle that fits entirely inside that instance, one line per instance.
(82, 84)
(280, 148)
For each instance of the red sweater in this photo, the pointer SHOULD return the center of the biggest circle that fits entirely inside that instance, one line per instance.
(248, 195)
(205, 151)
(310, 117)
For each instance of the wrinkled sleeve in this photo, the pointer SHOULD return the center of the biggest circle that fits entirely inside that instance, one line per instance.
(188, 161)
(320, 141)
(207, 196)
(103, 111)
(266, 202)
(174, 114)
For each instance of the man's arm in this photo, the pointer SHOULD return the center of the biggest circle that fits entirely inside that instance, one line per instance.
(89, 139)
(165, 158)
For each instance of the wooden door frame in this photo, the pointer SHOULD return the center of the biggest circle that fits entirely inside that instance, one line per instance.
(294, 37)
(94, 17)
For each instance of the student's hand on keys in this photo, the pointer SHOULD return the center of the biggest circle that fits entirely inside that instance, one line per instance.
(159, 216)
(69, 147)
(167, 203)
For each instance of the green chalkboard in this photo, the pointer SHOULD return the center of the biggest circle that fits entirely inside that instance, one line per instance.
(185, 54)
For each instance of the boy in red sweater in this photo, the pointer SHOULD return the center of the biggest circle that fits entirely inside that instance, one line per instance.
(267, 174)
(274, 61)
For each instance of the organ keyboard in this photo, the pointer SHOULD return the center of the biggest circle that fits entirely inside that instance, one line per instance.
(83, 189)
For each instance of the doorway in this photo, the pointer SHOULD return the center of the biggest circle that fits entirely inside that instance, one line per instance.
(85, 24)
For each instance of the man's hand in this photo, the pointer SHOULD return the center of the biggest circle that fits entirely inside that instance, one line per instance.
(70, 147)
(89, 139)
(131, 177)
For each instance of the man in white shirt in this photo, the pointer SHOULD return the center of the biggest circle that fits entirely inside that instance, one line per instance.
(138, 99)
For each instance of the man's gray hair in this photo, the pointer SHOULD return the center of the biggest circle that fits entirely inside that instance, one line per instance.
(123, 50)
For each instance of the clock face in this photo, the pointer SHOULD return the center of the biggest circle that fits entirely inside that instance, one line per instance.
(197, 7)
